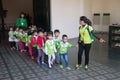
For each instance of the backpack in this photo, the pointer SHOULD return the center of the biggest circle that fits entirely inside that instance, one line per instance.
(90, 33)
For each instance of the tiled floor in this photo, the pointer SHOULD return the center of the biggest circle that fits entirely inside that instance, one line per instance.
(18, 66)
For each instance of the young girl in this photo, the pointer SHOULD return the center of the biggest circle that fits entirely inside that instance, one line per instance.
(41, 43)
(63, 50)
(11, 38)
(34, 45)
(22, 44)
(16, 33)
(50, 49)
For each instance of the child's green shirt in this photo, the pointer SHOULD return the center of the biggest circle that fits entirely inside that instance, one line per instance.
(24, 38)
(57, 41)
(16, 35)
(63, 47)
(50, 47)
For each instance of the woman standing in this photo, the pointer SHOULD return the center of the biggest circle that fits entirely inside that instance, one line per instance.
(21, 21)
(86, 37)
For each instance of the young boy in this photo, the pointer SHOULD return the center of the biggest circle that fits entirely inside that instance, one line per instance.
(41, 43)
(57, 42)
(11, 38)
(34, 44)
(16, 33)
(50, 49)
(63, 50)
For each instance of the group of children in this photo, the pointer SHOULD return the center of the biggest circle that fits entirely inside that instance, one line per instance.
(39, 43)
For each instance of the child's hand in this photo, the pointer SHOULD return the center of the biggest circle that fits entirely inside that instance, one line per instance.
(77, 46)
(102, 40)
(41, 47)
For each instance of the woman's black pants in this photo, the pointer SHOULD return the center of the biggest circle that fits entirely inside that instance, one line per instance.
(86, 49)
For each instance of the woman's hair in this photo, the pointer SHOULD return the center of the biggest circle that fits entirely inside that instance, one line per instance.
(86, 20)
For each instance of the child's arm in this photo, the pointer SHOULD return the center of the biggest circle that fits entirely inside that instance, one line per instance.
(55, 49)
(46, 49)
(70, 45)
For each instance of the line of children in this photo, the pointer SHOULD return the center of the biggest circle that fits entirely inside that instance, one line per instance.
(40, 43)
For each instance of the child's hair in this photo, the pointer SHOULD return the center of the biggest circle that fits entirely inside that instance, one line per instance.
(25, 29)
(40, 30)
(34, 32)
(55, 31)
(64, 36)
(10, 27)
(20, 28)
(50, 33)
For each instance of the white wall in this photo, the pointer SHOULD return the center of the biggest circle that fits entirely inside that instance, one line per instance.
(65, 16)
(14, 8)
(106, 6)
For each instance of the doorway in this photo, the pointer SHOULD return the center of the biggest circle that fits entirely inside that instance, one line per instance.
(41, 9)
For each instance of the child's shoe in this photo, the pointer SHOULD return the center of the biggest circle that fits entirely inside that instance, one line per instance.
(43, 63)
(61, 66)
(50, 67)
(11, 48)
(38, 62)
(68, 68)
(86, 67)
(32, 57)
(21, 51)
(56, 62)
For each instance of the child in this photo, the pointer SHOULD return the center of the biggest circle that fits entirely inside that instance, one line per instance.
(50, 49)
(57, 41)
(45, 35)
(11, 38)
(25, 39)
(22, 45)
(41, 42)
(29, 44)
(63, 50)
(34, 44)
(16, 33)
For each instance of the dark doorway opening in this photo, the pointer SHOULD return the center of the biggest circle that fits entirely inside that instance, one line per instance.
(41, 10)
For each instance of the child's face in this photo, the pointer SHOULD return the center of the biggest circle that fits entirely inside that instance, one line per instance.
(11, 29)
(35, 34)
(65, 39)
(21, 30)
(57, 34)
(40, 33)
(17, 29)
(45, 33)
(50, 37)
